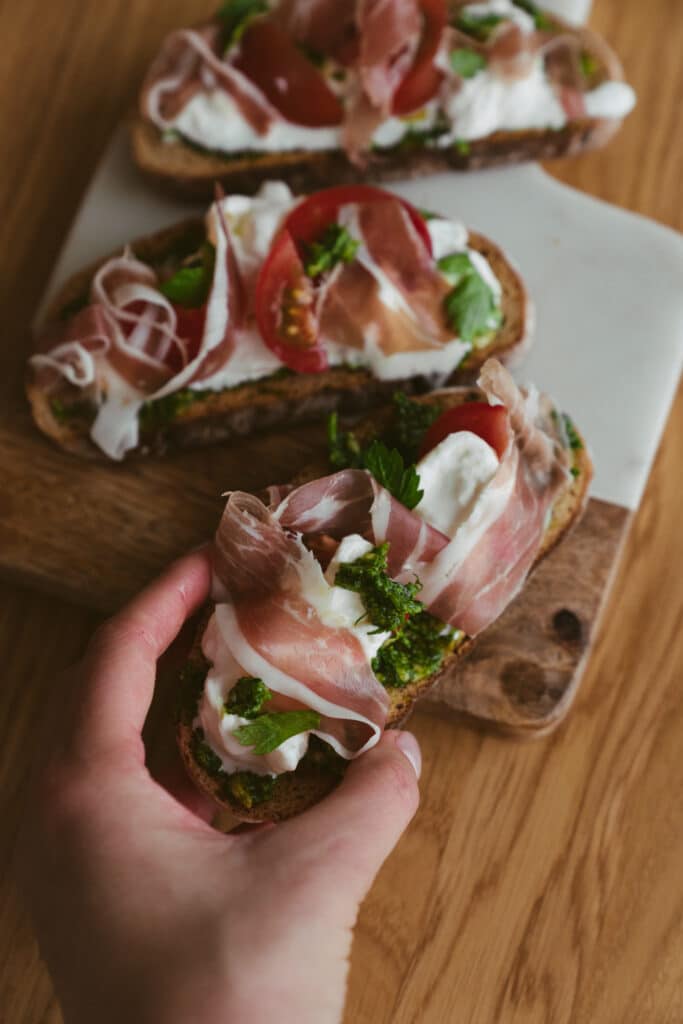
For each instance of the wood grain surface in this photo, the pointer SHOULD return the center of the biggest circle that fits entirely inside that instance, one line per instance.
(538, 883)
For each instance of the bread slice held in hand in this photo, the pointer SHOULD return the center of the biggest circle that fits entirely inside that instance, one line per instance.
(271, 310)
(343, 597)
(318, 92)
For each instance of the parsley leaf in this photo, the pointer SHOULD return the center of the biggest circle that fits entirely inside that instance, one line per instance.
(412, 420)
(336, 246)
(190, 286)
(389, 470)
(467, 63)
(267, 732)
(479, 26)
(386, 602)
(247, 697)
(236, 15)
(471, 306)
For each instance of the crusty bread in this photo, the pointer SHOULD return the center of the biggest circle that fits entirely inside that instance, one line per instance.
(260, 405)
(295, 791)
(189, 171)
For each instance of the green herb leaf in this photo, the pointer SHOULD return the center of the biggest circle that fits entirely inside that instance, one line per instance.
(455, 266)
(541, 20)
(267, 732)
(389, 470)
(343, 448)
(575, 442)
(387, 603)
(190, 286)
(236, 15)
(412, 420)
(247, 697)
(479, 26)
(416, 652)
(471, 305)
(467, 63)
(336, 246)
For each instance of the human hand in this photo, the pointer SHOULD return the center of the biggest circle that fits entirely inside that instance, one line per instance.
(145, 913)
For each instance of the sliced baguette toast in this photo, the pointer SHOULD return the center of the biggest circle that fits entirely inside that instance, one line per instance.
(285, 397)
(189, 171)
(318, 773)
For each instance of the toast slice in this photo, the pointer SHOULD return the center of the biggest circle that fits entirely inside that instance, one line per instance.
(193, 419)
(321, 769)
(187, 170)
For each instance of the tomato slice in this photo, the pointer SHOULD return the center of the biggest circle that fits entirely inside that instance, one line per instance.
(489, 422)
(295, 87)
(308, 220)
(423, 79)
(284, 308)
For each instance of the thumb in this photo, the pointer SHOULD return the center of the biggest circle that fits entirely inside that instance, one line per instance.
(352, 832)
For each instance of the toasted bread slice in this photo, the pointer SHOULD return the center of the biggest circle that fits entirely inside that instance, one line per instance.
(189, 171)
(321, 770)
(285, 397)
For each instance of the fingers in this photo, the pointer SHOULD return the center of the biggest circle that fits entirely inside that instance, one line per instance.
(352, 832)
(120, 664)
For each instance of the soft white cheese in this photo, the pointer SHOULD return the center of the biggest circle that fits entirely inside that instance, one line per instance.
(611, 100)
(504, 9)
(453, 475)
(446, 236)
(251, 360)
(253, 222)
(219, 727)
(487, 103)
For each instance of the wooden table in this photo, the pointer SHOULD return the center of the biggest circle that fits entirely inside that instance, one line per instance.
(538, 883)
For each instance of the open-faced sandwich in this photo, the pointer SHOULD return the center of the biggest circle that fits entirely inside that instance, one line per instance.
(272, 310)
(340, 599)
(318, 92)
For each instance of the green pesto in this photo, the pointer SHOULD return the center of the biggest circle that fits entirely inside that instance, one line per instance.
(204, 756)
(588, 64)
(247, 697)
(249, 789)
(541, 20)
(321, 757)
(462, 146)
(416, 652)
(343, 448)
(190, 690)
(387, 603)
(268, 732)
(163, 411)
(575, 442)
(336, 246)
(67, 412)
(411, 422)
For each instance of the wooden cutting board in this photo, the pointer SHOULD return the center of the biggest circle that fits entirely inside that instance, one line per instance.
(95, 532)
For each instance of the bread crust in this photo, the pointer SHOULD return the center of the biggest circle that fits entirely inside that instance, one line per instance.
(298, 790)
(262, 405)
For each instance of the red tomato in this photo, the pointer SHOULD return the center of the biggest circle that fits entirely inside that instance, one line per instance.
(295, 87)
(190, 328)
(308, 220)
(284, 308)
(489, 422)
(423, 79)
(284, 294)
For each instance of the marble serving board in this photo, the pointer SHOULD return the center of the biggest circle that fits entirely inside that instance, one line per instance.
(609, 340)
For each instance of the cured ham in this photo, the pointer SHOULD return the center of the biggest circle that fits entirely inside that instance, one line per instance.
(353, 306)
(189, 63)
(274, 631)
(469, 585)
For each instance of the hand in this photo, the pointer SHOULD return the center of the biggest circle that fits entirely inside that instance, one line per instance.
(144, 913)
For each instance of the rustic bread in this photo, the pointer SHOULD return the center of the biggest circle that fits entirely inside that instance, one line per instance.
(260, 405)
(315, 776)
(188, 171)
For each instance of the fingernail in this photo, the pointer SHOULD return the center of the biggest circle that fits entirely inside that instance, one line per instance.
(409, 746)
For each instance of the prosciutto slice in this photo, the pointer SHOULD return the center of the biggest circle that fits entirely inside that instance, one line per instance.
(274, 631)
(473, 579)
(189, 63)
(352, 306)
